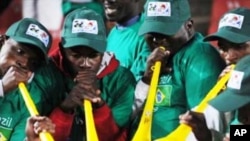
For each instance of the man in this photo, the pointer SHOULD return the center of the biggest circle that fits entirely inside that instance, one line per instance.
(94, 75)
(23, 58)
(190, 67)
(233, 38)
(123, 40)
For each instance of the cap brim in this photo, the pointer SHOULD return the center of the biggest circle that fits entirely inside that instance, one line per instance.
(229, 101)
(32, 42)
(227, 35)
(165, 28)
(99, 46)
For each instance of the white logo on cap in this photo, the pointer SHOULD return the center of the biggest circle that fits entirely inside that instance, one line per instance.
(35, 31)
(159, 9)
(235, 79)
(84, 26)
(233, 20)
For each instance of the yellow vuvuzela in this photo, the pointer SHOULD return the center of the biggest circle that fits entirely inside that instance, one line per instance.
(143, 132)
(89, 120)
(182, 131)
(44, 136)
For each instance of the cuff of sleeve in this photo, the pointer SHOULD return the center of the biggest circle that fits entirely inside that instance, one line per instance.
(62, 116)
(100, 111)
(1, 89)
(141, 90)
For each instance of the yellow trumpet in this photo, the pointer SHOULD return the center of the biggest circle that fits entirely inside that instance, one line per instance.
(183, 130)
(89, 120)
(143, 132)
(44, 136)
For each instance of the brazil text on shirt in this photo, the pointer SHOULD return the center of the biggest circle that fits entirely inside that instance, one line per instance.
(5, 127)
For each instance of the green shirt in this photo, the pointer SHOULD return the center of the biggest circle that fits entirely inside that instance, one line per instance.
(196, 68)
(46, 90)
(129, 48)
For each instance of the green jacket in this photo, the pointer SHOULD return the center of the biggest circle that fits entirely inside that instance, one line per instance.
(118, 93)
(46, 90)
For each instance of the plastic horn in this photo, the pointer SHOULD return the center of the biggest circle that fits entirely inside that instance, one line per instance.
(143, 132)
(44, 136)
(182, 131)
(89, 120)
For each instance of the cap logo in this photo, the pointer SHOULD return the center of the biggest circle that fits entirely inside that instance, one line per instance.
(35, 31)
(233, 20)
(84, 26)
(235, 79)
(159, 9)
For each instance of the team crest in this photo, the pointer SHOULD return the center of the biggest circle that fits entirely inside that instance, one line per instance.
(159, 96)
(35, 31)
(235, 79)
(163, 95)
(159, 9)
(84, 26)
(233, 20)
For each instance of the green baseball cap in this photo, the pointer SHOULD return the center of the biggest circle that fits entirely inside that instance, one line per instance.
(30, 31)
(237, 93)
(84, 27)
(234, 26)
(165, 16)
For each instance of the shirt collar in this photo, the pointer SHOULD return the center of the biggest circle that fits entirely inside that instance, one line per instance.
(128, 23)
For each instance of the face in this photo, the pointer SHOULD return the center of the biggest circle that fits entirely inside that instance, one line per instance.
(172, 43)
(22, 56)
(120, 11)
(233, 52)
(82, 58)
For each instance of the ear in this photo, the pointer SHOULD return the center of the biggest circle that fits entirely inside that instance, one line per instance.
(189, 26)
(2, 40)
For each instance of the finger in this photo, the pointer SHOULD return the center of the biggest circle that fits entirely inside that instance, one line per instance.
(84, 75)
(44, 126)
(21, 76)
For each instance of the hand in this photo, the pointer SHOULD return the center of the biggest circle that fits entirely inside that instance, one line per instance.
(86, 88)
(198, 124)
(13, 77)
(225, 71)
(89, 83)
(37, 124)
(227, 137)
(157, 55)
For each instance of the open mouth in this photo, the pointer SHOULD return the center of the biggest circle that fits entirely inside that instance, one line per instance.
(111, 8)
(111, 11)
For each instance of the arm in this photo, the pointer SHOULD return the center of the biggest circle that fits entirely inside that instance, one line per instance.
(140, 58)
(119, 99)
(142, 86)
(63, 122)
(206, 67)
(103, 118)
(141, 92)
(204, 126)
